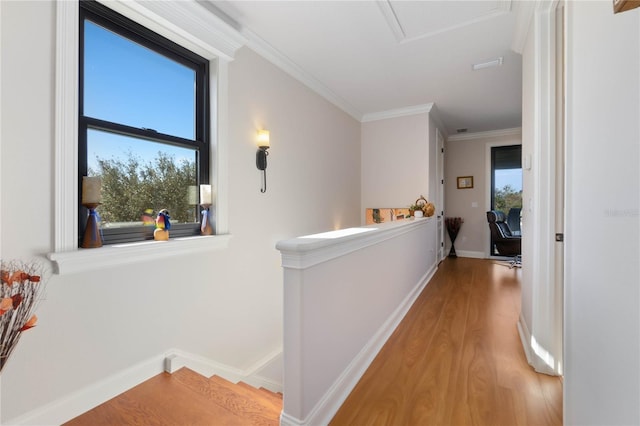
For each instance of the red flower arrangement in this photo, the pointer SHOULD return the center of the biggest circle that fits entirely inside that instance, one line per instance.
(20, 285)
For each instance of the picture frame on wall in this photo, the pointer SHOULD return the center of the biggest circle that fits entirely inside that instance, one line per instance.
(624, 5)
(465, 182)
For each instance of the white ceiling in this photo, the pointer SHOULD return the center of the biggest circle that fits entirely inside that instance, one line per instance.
(370, 57)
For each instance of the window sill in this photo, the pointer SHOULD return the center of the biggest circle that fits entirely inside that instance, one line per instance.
(80, 260)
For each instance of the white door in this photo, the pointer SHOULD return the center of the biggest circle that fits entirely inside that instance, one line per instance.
(440, 193)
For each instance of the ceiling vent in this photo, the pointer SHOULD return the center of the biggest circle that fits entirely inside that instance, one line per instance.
(492, 63)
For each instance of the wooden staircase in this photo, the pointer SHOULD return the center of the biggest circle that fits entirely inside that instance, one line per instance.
(187, 398)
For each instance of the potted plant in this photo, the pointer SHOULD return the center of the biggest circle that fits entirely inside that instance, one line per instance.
(422, 207)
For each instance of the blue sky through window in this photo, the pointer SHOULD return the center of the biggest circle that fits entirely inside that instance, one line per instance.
(512, 177)
(129, 84)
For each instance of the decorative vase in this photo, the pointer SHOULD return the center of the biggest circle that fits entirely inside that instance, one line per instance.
(452, 235)
(418, 213)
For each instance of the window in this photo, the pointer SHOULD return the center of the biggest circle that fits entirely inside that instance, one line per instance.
(143, 126)
(506, 185)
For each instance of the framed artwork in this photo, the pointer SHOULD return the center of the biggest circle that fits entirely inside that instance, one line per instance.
(465, 182)
(624, 5)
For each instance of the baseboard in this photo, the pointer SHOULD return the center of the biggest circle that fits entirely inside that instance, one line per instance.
(471, 254)
(65, 409)
(176, 359)
(525, 338)
(534, 360)
(68, 407)
(333, 399)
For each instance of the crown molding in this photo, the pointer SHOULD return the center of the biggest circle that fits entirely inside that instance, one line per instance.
(524, 16)
(277, 58)
(185, 22)
(516, 131)
(398, 112)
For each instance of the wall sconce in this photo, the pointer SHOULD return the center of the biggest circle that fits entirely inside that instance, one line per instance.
(261, 156)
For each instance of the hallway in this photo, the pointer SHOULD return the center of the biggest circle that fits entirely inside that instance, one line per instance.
(457, 359)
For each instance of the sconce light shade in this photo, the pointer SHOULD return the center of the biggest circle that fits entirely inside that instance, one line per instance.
(263, 139)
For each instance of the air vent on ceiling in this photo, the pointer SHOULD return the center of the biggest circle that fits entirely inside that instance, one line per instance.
(488, 64)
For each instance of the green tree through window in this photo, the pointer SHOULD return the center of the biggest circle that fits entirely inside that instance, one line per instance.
(143, 125)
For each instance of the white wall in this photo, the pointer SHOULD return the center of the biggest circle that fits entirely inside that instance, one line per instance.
(602, 322)
(224, 305)
(470, 156)
(395, 161)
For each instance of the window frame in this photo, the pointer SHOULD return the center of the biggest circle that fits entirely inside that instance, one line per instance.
(136, 33)
(189, 24)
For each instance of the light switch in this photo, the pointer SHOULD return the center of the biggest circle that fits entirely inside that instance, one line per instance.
(474, 204)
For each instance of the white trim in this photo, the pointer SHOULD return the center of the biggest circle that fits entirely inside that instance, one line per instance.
(264, 49)
(0, 163)
(525, 338)
(467, 253)
(332, 400)
(545, 324)
(76, 403)
(533, 357)
(66, 127)
(434, 113)
(524, 16)
(515, 131)
(176, 359)
(82, 260)
(398, 112)
(220, 144)
(187, 23)
(302, 253)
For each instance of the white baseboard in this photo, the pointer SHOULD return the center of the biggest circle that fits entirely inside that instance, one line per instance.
(525, 338)
(533, 358)
(177, 359)
(471, 254)
(333, 399)
(68, 407)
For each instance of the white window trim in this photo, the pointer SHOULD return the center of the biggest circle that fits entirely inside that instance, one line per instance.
(189, 24)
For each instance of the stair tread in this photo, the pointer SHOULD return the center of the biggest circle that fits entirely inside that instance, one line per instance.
(262, 392)
(254, 407)
(270, 392)
(159, 400)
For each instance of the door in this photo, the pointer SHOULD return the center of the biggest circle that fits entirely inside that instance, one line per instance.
(506, 186)
(440, 193)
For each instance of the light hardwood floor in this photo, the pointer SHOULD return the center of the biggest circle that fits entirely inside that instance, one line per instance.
(456, 359)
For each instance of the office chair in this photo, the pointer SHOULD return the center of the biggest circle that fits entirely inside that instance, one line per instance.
(505, 242)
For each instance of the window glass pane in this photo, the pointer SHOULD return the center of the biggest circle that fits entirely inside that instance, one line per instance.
(141, 177)
(127, 83)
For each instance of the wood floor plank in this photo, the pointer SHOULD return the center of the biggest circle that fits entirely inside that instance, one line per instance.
(456, 359)
(158, 401)
(251, 405)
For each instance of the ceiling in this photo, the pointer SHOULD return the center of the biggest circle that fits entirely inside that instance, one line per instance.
(373, 58)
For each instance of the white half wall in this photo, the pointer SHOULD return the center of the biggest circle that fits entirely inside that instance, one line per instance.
(377, 273)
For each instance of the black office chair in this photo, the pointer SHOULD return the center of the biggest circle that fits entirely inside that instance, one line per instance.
(513, 220)
(505, 242)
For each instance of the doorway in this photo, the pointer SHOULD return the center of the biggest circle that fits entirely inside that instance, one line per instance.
(506, 187)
